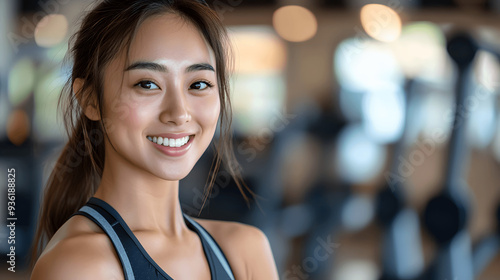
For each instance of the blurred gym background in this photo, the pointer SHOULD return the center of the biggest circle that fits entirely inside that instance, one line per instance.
(369, 129)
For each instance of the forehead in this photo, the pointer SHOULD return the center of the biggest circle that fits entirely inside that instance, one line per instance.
(169, 37)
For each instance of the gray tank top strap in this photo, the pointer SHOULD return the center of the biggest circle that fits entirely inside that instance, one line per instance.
(133, 256)
(215, 248)
(107, 227)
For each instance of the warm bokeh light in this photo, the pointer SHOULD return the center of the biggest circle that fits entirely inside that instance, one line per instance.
(295, 23)
(258, 86)
(257, 50)
(18, 127)
(21, 81)
(421, 52)
(51, 30)
(380, 22)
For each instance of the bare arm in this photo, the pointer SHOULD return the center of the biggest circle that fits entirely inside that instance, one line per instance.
(76, 260)
(246, 248)
(260, 260)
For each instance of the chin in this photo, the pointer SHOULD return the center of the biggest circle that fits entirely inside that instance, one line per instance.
(173, 175)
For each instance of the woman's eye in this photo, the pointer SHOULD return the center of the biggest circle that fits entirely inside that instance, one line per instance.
(201, 85)
(147, 85)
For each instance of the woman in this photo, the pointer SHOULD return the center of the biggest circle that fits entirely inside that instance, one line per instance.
(148, 86)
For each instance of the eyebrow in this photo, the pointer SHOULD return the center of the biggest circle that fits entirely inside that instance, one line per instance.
(162, 68)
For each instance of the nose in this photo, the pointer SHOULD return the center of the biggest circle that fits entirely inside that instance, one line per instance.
(175, 107)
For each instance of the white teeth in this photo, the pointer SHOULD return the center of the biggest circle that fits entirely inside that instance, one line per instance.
(169, 142)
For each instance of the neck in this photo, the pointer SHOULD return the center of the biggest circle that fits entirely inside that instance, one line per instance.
(144, 201)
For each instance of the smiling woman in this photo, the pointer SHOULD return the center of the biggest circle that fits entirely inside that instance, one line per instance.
(148, 87)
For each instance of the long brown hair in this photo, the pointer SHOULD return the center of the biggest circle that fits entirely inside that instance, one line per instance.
(106, 30)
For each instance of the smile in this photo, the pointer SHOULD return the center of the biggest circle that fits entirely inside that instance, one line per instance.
(174, 147)
(174, 143)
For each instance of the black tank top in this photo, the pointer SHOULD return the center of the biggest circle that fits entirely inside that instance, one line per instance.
(136, 262)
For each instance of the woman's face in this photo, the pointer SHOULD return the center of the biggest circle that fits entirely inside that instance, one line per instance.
(167, 89)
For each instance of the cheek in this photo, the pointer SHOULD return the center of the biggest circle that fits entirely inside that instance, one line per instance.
(125, 113)
(207, 112)
(135, 118)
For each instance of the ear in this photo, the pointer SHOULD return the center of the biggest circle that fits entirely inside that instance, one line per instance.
(90, 110)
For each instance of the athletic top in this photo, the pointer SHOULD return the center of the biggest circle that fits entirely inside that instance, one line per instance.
(136, 262)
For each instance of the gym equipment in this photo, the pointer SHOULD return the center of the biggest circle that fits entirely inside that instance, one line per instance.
(446, 214)
(402, 254)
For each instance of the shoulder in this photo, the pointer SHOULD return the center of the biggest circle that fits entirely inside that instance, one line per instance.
(78, 251)
(246, 247)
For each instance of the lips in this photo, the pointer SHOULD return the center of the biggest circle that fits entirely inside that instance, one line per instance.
(169, 142)
(176, 145)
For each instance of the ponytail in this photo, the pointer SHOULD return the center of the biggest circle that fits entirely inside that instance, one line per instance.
(73, 180)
